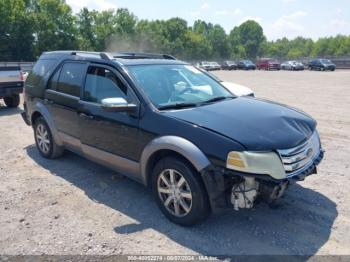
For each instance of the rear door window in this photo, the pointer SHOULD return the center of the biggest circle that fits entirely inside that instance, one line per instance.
(71, 78)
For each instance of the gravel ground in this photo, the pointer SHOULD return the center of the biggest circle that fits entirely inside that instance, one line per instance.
(72, 206)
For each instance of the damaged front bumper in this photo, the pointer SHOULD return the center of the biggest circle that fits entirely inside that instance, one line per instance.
(232, 189)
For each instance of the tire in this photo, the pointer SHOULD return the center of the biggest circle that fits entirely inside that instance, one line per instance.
(44, 140)
(12, 101)
(193, 206)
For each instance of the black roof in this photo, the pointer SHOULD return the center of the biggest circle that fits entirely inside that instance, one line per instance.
(129, 58)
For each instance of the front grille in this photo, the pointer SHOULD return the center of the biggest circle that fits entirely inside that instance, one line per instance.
(301, 157)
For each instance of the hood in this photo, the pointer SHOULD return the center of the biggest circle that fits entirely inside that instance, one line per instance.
(237, 90)
(328, 64)
(258, 125)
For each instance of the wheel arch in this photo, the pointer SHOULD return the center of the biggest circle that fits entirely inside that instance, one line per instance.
(40, 110)
(171, 146)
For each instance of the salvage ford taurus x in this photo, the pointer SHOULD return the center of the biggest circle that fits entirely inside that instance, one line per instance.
(168, 125)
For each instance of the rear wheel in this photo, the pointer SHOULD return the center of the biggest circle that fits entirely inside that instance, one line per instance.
(44, 140)
(12, 101)
(179, 192)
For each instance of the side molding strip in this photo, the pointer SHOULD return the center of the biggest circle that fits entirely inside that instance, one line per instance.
(119, 164)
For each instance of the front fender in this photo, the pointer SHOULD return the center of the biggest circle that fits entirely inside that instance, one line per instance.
(177, 144)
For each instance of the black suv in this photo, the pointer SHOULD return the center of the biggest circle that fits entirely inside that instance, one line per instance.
(229, 65)
(321, 65)
(168, 125)
(246, 65)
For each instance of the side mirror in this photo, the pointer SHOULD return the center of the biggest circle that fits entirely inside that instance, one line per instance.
(117, 104)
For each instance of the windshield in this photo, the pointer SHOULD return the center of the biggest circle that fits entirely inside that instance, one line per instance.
(167, 85)
(248, 62)
(326, 61)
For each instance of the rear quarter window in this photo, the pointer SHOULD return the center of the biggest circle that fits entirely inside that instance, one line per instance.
(35, 83)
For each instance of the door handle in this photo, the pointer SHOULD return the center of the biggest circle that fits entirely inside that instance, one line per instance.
(85, 116)
(47, 101)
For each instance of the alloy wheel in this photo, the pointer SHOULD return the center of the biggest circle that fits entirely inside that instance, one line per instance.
(43, 139)
(174, 192)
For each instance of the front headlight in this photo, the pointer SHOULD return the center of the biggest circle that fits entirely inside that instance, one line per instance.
(265, 163)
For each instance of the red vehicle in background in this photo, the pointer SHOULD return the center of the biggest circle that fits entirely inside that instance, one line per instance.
(268, 64)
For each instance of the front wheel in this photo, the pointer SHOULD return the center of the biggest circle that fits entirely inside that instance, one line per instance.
(12, 101)
(180, 192)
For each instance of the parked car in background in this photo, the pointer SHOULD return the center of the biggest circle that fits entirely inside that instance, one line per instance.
(204, 65)
(268, 64)
(235, 89)
(292, 66)
(214, 66)
(228, 65)
(197, 147)
(321, 65)
(246, 65)
(11, 85)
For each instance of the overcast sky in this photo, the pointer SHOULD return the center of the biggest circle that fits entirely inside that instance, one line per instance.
(279, 18)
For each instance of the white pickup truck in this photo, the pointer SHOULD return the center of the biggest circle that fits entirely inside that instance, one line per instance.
(11, 85)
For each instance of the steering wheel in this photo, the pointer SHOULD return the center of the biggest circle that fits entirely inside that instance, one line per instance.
(184, 91)
(176, 94)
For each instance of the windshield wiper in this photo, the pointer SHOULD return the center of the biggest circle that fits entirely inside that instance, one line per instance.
(177, 106)
(218, 98)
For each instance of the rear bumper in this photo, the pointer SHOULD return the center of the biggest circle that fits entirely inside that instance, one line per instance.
(25, 118)
(24, 115)
(11, 84)
(13, 89)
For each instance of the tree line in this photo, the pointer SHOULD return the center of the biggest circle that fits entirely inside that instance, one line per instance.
(30, 27)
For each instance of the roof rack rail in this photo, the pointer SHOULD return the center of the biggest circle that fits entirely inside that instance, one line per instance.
(102, 55)
(128, 55)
